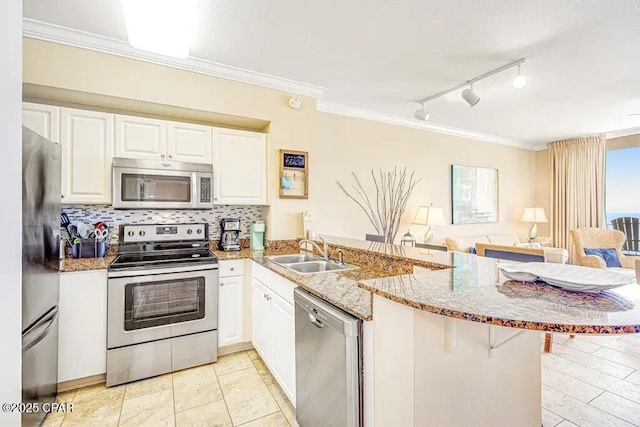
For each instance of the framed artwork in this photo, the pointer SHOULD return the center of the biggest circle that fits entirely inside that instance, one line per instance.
(294, 174)
(474, 195)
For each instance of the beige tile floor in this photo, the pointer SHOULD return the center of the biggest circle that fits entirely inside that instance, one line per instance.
(586, 381)
(238, 390)
(592, 381)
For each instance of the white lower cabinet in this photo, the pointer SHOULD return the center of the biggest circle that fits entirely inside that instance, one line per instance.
(231, 301)
(261, 316)
(274, 326)
(82, 334)
(283, 344)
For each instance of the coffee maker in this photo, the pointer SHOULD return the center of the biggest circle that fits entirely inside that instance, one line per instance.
(230, 237)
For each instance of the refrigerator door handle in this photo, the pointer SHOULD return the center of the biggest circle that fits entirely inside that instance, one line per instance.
(39, 331)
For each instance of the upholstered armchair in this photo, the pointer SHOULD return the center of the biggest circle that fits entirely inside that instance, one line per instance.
(599, 238)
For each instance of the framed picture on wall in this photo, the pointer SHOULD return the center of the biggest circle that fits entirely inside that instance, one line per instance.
(294, 174)
(474, 195)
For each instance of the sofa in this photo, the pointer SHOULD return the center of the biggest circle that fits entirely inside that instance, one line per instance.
(506, 246)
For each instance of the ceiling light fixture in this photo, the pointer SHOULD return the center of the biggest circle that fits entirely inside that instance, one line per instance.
(469, 95)
(519, 81)
(160, 26)
(422, 115)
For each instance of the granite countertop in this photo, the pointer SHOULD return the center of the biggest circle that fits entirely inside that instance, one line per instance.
(452, 284)
(341, 288)
(85, 264)
(475, 290)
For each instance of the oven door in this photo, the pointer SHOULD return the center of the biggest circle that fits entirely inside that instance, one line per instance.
(150, 188)
(167, 303)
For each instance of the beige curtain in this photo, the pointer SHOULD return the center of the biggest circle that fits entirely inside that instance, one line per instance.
(577, 168)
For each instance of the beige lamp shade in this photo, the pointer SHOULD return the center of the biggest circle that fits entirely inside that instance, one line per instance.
(534, 215)
(428, 215)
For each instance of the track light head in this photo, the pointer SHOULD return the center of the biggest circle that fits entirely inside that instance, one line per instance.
(469, 95)
(422, 115)
(519, 81)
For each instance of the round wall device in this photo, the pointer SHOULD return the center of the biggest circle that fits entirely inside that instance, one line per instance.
(295, 103)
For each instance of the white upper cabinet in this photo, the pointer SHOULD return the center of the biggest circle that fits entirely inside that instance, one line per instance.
(187, 142)
(86, 138)
(42, 119)
(240, 167)
(141, 138)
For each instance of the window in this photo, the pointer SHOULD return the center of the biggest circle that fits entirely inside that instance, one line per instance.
(623, 194)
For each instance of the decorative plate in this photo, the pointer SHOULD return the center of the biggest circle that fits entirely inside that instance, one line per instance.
(570, 277)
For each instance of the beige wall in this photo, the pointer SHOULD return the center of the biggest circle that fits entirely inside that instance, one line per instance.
(337, 145)
(79, 70)
(348, 145)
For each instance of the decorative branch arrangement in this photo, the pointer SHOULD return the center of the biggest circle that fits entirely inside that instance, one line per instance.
(393, 190)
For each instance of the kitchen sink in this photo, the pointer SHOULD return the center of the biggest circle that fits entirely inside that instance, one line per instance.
(290, 259)
(318, 267)
(309, 264)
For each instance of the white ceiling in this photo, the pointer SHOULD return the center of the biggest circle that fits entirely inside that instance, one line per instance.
(582, 57)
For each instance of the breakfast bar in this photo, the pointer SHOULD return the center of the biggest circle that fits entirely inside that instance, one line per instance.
(464, 342)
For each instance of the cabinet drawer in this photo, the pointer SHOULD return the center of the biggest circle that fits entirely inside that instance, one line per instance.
(231, 268)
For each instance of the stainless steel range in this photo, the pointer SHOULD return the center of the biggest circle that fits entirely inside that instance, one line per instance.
(162, 302)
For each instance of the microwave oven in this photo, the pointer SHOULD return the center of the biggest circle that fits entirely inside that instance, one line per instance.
(151, 184)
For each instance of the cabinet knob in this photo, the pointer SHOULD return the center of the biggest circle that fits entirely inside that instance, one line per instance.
(221, 283)
(170, 156)
(232, 268)
(162, 155)
(62, 196)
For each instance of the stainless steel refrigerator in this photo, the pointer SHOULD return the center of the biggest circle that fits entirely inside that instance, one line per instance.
(41, 168)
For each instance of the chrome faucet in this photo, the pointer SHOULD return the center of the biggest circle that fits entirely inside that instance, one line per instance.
(340, 257)
(325, 248)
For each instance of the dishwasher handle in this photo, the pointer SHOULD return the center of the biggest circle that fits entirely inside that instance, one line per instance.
(315, 322)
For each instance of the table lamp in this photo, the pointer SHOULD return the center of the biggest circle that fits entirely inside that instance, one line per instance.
(534, 215)
(429, 216)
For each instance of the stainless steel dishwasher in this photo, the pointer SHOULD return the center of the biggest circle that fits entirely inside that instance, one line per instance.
(328, 364)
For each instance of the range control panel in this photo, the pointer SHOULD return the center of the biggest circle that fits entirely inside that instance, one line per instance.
(142, 233)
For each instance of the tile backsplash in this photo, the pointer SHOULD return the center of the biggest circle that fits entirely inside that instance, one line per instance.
(91, 214)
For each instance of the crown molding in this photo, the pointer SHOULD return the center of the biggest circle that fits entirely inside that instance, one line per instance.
(360, 113)
(623, 132)
(67, 36)
(71, 37)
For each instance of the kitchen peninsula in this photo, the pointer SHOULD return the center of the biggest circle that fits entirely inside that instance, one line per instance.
(460, 346)
(447, 340)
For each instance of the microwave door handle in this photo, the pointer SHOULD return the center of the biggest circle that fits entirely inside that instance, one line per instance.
(195, 190)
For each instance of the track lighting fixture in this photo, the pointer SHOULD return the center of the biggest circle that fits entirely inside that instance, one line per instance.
(519, 81)
(422, 115)
(468, 94)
